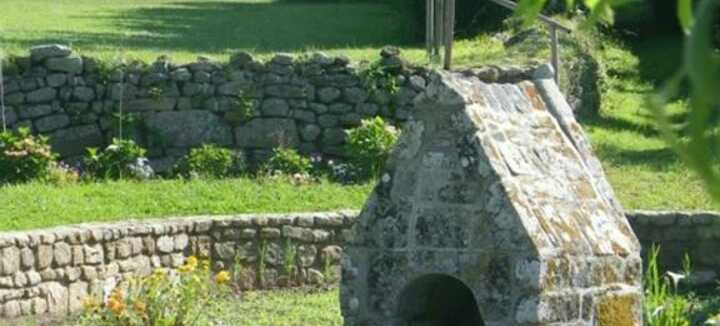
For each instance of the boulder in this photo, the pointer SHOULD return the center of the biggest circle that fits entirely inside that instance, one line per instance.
(46, 94)
(190, 128)
(72, 65)
(152, 104)
(73, 141)
(267, 133)
(52, 122)
(42, 52)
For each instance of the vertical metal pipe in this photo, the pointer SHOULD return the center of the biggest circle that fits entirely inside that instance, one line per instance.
(449, 32)
(428, 27)
(555, 52)
(438, 27)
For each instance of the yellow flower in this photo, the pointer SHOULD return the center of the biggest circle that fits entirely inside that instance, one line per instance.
(90, 304)
(190, 265)
(205, 264)
(222, 277)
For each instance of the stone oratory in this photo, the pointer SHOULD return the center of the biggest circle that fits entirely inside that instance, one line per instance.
(493, 211)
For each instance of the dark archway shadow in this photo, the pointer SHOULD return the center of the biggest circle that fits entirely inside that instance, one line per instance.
(438, 300)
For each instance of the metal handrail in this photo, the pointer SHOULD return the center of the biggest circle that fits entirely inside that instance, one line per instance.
(513, 5)
(554, 27)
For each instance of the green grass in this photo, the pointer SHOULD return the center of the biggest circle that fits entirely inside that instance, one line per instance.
(286, 308)
(645, 173)
(41, 205)
(643, 169)
(185, 29)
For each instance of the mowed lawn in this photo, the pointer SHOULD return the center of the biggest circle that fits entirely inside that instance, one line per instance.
(42, 205)
(185, 29)
(645, 173)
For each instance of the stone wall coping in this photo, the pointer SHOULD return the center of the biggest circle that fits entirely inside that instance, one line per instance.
(671, 217)
(193, 224)
(96, 232)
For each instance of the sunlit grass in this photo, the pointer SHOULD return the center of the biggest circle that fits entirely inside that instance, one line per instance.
(43, 205)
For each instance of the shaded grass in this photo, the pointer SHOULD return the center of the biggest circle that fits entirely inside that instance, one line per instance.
(41, 205)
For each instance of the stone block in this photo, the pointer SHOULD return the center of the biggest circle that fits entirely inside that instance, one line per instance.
(186, 129)
(52, 122)
(10, 260)
(42, 52)
(73, 65)
(42, 95)
(151, 104)
(267, 133)
(62, 254)
(73, 141)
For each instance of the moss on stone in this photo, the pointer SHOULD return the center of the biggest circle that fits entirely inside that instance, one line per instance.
(616, 311)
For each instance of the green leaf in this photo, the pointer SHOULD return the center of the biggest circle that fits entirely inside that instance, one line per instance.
(529, 10)
(685, 14)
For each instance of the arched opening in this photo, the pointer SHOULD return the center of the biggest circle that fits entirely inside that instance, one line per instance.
(438, 300)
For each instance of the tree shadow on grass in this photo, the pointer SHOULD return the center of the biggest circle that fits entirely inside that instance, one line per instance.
(219, 26)
(657, 159)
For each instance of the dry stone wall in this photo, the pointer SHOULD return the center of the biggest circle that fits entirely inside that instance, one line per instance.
(676, 234)
(48, 272)
(305, 103)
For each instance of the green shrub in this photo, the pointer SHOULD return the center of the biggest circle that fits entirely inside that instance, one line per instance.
(121, 159)
(210, 161)
(24, 157)
(370, 144)
(287, 161)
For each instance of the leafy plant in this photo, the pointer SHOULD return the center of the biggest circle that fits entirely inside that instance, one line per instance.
(375, 79)
(155, 93)
(663, 305)
(329, 270)
(24, 157)
(289, 260)
(287, 161)
(210, 161)
(241, 109)
(370, 144)
(121, 159)
(262, 264)
(180, 298)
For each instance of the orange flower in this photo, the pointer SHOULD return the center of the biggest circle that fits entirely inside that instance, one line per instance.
(140, 307)
(116, 306)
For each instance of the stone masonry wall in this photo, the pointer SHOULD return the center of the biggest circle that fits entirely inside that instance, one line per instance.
(49, 272)
(304, 103)
(678, 233)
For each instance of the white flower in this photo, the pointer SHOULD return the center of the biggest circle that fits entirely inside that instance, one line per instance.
(675, 278)
(386, 178)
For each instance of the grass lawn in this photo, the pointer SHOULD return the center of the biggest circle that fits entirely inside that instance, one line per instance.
(185, 29)
(40, 205)
(645, 173)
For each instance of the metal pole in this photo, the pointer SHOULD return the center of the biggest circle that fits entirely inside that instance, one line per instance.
(429, 27)
(449, 31)
(555, 52)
